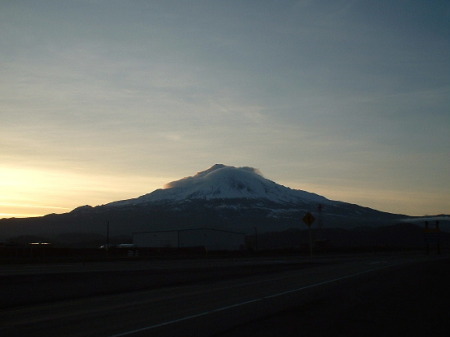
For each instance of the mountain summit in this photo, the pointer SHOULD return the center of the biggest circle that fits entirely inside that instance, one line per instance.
(226, 182)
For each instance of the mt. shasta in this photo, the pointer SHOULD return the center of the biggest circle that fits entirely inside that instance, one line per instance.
(221, 197)
(226, 182)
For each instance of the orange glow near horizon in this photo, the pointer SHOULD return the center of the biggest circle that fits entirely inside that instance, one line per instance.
(36, 192)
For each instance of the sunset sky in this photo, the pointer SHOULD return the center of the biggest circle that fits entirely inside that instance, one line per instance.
(105, 100)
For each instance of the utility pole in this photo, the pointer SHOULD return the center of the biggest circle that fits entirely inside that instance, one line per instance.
(319, 223)
(107, 237)
(438, 238)
(256, 239)
(310, 242)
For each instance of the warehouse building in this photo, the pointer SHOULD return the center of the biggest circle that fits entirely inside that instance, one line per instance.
(210, 239)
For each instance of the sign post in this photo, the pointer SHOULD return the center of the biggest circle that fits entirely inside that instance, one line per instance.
(432, 236)
(308, 219)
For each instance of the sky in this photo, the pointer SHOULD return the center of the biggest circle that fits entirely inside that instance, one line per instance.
(105, 100)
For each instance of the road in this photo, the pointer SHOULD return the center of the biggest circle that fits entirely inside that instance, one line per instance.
(352, 296)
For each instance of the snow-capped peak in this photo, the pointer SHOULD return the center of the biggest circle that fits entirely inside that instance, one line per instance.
(226, 182)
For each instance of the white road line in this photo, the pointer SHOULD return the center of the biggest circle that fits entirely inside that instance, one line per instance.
(260, 299)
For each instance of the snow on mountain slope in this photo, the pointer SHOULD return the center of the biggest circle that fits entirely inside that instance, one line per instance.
(226, 182)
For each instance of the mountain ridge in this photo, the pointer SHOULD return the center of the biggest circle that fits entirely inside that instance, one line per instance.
(223, 197)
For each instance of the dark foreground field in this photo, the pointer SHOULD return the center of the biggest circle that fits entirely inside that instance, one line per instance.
(411, 300)
(374, 295)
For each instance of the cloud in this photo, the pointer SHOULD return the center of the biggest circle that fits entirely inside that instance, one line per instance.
(347, 88)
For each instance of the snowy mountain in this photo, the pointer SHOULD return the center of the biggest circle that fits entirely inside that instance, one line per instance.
(237, 198)
(222, 197)
(226, 182)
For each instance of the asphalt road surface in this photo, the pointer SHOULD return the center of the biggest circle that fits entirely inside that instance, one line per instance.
(352, 296)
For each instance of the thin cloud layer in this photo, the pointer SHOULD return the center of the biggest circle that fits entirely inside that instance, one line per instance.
(353, 92)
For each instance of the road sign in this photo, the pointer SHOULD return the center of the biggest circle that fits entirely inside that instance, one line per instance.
(308, 219)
